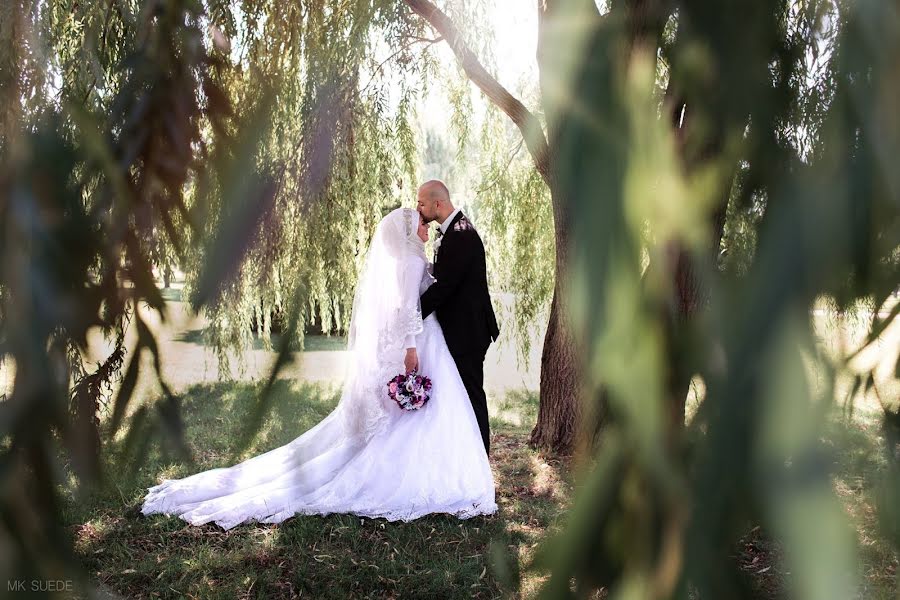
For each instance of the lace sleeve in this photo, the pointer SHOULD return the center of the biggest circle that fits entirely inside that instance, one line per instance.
(411, 312)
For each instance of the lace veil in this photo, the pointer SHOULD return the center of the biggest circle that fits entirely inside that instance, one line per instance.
(385, 312)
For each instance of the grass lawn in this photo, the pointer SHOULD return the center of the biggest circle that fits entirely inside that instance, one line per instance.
(338, 556)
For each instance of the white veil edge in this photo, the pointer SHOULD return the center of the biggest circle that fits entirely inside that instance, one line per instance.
(386, 311)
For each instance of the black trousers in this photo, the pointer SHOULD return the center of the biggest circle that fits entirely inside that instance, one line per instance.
(471, 371)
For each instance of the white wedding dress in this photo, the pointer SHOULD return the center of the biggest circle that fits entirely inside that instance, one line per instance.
(368, 457)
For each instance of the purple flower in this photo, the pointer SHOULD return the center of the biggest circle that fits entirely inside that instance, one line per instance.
(409, 390)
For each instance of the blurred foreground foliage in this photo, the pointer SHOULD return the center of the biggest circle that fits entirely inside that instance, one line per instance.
(776, 117)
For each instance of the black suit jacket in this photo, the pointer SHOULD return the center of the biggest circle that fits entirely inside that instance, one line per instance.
(460, 295)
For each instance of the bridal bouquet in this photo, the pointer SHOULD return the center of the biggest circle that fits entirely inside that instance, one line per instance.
(410, 391)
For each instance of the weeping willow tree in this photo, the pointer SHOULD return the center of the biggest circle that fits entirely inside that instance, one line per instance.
(523, 200)
(339, 87)
(338, 128)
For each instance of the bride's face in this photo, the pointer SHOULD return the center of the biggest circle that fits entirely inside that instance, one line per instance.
(423, 229)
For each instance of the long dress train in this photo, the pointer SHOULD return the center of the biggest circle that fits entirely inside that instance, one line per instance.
(413, 463)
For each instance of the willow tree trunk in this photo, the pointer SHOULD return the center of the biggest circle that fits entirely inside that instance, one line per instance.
(559, 412)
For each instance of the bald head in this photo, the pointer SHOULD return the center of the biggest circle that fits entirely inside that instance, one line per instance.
(436, 189)
(434, 201)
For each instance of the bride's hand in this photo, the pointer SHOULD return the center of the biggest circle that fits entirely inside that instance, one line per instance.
(412, 360)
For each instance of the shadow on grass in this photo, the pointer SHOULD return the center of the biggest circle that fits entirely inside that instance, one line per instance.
(215, 416)
(517, 409)
(337, 556)
(861, 469)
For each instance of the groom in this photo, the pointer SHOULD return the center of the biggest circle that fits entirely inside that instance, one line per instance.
(460, 295)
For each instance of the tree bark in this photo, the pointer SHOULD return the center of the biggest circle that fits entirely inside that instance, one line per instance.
(560, 408)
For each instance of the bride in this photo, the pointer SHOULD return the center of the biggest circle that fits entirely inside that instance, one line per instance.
(368, 457)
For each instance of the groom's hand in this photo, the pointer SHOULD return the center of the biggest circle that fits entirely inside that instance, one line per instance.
(412, 360)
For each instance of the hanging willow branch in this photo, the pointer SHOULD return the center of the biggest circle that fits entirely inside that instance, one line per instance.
(525, 120)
